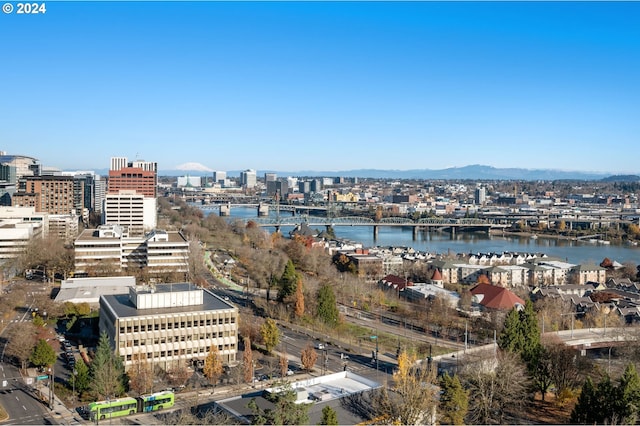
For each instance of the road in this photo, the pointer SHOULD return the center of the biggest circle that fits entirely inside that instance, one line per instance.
(19, 399)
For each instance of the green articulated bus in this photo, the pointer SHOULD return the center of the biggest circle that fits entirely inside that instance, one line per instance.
(126, 406)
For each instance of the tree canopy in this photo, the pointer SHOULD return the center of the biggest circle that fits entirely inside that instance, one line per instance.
(327, 309)
(43, 354)
(270, 334)
(107, 371)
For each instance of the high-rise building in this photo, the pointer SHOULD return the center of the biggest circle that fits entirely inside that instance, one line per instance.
(270, 177)
(118, 163)
(134, 211)
(131, 195)
(304, 187)
(12, 169)
(248, 178)
(141, 181)
(100, 192)
(50, 194)
(219, 177)
(480, 195)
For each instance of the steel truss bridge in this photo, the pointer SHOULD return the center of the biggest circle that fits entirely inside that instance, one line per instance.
(453, 225)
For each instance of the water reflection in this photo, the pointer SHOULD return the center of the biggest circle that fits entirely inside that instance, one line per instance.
(579, 252)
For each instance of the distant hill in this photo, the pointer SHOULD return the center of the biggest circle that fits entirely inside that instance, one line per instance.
(478, 172)
(622, 178)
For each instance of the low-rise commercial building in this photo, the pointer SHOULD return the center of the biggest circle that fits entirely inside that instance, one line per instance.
(168, 324)
(109, 249)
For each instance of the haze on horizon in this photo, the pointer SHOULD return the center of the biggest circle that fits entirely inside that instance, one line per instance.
(324, 85)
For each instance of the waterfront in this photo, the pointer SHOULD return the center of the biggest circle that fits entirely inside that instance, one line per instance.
(578, 252)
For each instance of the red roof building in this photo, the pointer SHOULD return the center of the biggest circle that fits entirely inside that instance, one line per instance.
(495, 297)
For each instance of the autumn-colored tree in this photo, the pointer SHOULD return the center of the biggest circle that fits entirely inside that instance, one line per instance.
(415, 386)
(633, 230)
(178, 374)
(270, 334)
(308, 357)
(561, 226)
(299, 302)
(483, 279)
(247, 361)
(283, 363)
(212, 365)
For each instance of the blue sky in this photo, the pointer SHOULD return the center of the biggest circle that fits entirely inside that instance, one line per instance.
(324, 85)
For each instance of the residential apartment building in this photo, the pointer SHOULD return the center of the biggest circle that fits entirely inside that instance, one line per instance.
(169, 324)
(110, 249)
(50, 194)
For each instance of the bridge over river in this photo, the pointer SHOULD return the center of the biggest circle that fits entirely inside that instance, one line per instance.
(451, 225)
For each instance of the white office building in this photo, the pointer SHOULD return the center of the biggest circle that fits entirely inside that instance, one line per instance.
(110, 249)
(133, 211)
(169, 323)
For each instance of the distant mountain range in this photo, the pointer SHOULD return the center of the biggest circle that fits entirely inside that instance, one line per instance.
(476, 172)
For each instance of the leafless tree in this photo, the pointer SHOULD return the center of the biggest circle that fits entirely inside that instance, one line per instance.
(496, 386)
(140, 374)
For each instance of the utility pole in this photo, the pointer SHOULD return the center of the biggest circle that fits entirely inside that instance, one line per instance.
(51, 383)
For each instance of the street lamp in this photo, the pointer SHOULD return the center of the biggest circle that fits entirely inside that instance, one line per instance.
(573, 314)
(75, 372)
(51, 384)
(376, 353)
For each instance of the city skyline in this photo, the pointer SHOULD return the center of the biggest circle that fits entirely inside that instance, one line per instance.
(324, 86)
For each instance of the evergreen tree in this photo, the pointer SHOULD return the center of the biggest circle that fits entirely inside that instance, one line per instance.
(521, 335)
(285, 411)
(454, 400)
(627, 401)
(511, 338)
(531, 333)
(604, 404)
(329, 416)
(81, 377)
(327, 307)
(107, 371)
(288, 281)
(43, 354)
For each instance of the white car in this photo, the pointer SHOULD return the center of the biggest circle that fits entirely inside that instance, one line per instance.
(320, 346)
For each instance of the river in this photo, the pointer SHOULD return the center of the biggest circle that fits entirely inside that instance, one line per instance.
(577, 252)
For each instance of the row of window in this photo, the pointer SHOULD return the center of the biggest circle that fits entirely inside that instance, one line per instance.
(176, 324)
(176, 339)
(190, 351)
